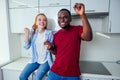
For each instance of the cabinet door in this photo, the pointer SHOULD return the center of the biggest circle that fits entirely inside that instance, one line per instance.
(114, 16)
(22, 3)
(21, 18)
(51, 13)
(54, 2)
(11, 74)
(92, 6)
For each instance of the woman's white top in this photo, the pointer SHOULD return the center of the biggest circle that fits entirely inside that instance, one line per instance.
(42, 57)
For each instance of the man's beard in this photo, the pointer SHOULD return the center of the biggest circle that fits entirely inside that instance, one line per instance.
(65, 27)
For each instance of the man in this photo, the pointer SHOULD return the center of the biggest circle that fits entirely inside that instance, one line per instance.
(67, 43)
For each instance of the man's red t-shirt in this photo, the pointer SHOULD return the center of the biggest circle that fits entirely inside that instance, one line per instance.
(67, 43)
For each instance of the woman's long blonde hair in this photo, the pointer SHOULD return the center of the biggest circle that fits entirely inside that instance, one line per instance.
(35, 26)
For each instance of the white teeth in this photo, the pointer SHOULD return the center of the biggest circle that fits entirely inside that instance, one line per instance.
(62, 23)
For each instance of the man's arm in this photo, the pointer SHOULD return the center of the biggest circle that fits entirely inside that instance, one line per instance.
(87, 31)
(52, 50)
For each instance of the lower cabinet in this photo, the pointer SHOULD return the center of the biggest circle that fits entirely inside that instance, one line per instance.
(12, 70)
(11, 74)
(1, 76)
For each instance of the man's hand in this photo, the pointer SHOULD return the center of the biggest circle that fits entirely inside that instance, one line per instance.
(47, 44)
(79, 8)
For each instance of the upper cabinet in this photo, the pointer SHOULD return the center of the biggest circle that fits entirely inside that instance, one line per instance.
(114, 17)
(21, 18)
(54, 2)
(92, 6)
(22, 14)
(23, 3)
(50, 9)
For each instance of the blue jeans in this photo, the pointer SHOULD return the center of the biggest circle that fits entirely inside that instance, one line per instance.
(54, 76)
(42, 69)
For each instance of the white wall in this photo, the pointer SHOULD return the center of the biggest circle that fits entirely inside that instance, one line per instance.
(4, 45)
(9, 43)
(99, 49)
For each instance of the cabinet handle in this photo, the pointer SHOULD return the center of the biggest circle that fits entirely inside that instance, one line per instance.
(109, 28)
(54, 4)
(22, 6)
(89, 10)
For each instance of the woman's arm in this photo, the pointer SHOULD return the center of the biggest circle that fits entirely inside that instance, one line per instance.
(26, 35)
(27, 41)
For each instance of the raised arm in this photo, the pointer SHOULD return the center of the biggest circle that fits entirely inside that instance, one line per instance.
(26, 35)
(87, 31)
(26, 38)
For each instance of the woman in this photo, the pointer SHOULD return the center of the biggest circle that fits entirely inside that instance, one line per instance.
(41, 56)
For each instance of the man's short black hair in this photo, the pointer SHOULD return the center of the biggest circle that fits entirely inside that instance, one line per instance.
(66, 10)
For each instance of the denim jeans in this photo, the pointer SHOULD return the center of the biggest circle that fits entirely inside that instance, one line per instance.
(54, 76)
(42, 69)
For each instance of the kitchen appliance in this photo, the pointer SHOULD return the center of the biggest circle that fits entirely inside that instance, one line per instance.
(94, 71)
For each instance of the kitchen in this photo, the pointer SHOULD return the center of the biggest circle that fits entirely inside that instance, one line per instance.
(104, 48)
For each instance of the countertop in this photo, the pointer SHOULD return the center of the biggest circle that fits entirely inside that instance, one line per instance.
(113, 68)
(18, 64)
(4, 62)
(105, 70)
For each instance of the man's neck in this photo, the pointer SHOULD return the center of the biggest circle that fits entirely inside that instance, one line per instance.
(66, 27)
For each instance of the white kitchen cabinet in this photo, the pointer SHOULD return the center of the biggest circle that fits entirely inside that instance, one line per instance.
(12, 70)
(22, 14)
(1, 76)
(92, 6)
(114, 17)
(11, 74)
(50, 9)
(54, 2)
(52, 15)
(21, 18)
(22, 3)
